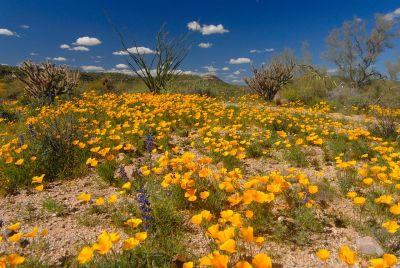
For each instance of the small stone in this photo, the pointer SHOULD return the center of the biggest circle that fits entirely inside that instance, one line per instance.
(369, 246)
(24, 243)
(120, 157)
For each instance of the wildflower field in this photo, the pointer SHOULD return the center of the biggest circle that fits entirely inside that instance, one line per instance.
(183, 180)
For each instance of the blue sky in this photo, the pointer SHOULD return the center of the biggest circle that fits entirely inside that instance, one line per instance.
(37, 29)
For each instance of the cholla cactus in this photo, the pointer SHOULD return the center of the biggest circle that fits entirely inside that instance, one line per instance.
(268, 80)
(46, 81)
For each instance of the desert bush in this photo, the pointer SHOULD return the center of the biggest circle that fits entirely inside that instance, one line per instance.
(51, 152)
(45, 81)
(385, 126)
(269, 79)
(296, 156)
(7, 114)
(201, 91)
(108, 85)
(106, 170)
(53, 146)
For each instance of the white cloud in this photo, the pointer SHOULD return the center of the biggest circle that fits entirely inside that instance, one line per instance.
(134, 50)
(261, 51)
(392, 15)
(121, 66)
(92, 68)
(236, 73)
(6, 32)
(212, 29)
(79, 48)
(76, 48)
(33, 54)
(205, 45)
(239, 61)
(60, 59)
(206, 29)
(24, 26)
(332, 71)
(194, 26)
(225, 69)
(87, 41)
(210, 69)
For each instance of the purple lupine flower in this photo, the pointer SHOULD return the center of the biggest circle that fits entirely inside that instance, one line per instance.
(145, 209)
(306, 198)
(122, 173)
(149, 147)
(32, 130)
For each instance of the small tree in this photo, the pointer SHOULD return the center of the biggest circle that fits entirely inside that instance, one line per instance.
(45, 81)
(355, 51)
(157, 70)
(393, 69)
(269, 79)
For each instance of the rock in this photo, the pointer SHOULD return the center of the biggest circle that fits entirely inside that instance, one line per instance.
(120, 157)
(369, 246)
(126, 173)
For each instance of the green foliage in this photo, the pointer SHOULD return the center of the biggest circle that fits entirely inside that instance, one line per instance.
(57, 156)
(53, 206)
(346, 180)
(8, 114)
(106, 170)
(296, 156)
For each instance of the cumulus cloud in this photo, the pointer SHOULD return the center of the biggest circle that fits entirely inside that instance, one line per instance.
(79, 48)
(205, 45)
(134, 50)
(33, 54)
(207, 29)
(194, 26)
(210, 69)
(24, 26)
(225, 69)
(391, 16)
(121, 66)
(60, 59)
(261, 51)
(237, 72)
(239, 61)
(92, 68)
(87, 41)
(213, 29)
(76, 48)
(7, 32)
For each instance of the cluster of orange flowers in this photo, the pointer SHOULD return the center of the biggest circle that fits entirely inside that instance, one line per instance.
(15, 236)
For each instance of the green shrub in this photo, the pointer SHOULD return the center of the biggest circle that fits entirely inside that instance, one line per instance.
(53, 145)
